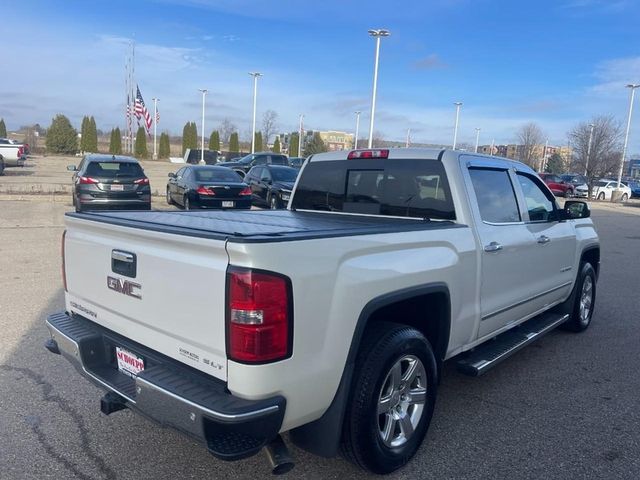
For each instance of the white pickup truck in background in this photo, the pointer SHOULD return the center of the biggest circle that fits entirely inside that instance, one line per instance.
(12, 154)
(330, 320)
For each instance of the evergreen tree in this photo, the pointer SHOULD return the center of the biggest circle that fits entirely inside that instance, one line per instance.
(112, 141)
(189, 136)
(194, 135)
(234, 142)
(91, 143)
(276, 145)
(258, 142)
(83, 133)
(117, 142)
(214, 141)
(293, 144)
(141, 144)
(555, 164)
(164, 149)
(3, 128)
(316, 145)
(61, 136)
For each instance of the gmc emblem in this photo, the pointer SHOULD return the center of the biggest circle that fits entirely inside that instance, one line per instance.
(125, 287)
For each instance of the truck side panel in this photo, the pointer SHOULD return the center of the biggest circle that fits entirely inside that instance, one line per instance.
(333, 280)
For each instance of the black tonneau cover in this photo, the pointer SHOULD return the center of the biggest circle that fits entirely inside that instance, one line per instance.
(261, 225)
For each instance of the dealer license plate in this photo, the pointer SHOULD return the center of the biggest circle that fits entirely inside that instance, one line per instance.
(129, 363)
(117, 188)
(228, 204)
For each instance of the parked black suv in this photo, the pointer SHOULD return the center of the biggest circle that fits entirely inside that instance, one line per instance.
(243, 165)
(271, 185)
(110, 181)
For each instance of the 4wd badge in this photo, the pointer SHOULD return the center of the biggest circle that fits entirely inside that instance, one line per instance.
(125, 287)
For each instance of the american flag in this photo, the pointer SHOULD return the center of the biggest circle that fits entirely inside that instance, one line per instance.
(141, 110)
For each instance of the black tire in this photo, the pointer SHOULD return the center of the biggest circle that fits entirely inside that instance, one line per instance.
(625, 197)
(76, 203)
(274, 203)
(578, 321)
(186, 203)
(1, 166)
(169, 199)
(601, 196)
(384, 345)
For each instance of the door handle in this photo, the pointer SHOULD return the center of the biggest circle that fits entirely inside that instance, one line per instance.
(543, 239)
(493, 247)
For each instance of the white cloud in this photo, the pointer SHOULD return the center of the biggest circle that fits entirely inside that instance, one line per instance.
(613, 75)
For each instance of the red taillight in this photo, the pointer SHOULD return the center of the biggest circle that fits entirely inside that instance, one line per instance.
(205, 191)
(141, 181)
(246, 191)
(354, 154)
(87, 181)
(259, 317)
(64, 269)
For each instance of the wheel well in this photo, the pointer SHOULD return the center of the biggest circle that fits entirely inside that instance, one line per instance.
(429, 314)
(593, 257)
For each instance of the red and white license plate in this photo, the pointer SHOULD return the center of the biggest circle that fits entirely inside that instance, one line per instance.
(227, 204)
(117, 188)
(129, 363)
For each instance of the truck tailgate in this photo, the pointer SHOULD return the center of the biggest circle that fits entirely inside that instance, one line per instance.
(174, 301)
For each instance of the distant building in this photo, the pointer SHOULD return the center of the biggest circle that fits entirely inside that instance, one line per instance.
(514, 152)
(333, 139)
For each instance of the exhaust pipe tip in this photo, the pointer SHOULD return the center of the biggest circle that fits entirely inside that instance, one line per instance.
(279, 457)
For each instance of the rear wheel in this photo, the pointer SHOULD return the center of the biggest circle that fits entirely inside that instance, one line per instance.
(1, 166)
(585, 300)
(77, 204)
(169, 199)
(186, 203)
(601, 196)
(391, 400)
(625, 197)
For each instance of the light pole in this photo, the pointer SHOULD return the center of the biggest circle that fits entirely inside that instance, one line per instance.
(455, 129)
(155, 126)
(300, 136)
(255, 76)
(355, 140)
(377, 34)
(408, 138)
(204, 94)
(543, 162)
(633, 87)
(477, 138)
(586, 164)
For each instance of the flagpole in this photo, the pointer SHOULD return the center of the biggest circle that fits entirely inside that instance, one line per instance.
(155, 125)
(133, 93)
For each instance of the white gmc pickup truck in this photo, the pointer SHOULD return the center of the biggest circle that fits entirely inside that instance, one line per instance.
(330, 320)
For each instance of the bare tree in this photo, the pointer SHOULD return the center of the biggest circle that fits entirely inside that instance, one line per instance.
(604, 155)
(269, 125)
(226, 128)
(530, 137)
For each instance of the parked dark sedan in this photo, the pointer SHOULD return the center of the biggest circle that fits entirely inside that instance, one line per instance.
(207, 186)
(110, 181)
(245, 164)
(634, 185)
(271, 185)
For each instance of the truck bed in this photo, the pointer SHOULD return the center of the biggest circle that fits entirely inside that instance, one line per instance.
(258, 226)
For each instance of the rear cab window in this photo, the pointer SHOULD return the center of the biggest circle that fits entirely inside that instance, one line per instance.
(415, 188)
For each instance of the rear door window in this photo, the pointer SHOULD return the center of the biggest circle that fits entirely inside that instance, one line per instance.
(495, 195)
(394, 187)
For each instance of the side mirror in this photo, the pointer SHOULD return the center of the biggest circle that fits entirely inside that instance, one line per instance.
(171, 175)
(575, 209)
(72, 168)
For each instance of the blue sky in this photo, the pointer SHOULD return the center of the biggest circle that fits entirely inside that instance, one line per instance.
(510, 62)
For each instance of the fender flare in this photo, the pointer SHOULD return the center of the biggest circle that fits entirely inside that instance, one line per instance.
(322, 436)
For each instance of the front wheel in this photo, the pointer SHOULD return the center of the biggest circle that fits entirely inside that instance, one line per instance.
(585, 300)
(274, 203)
(391, 400)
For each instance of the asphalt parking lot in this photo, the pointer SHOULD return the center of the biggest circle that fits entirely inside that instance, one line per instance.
(565, 407)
